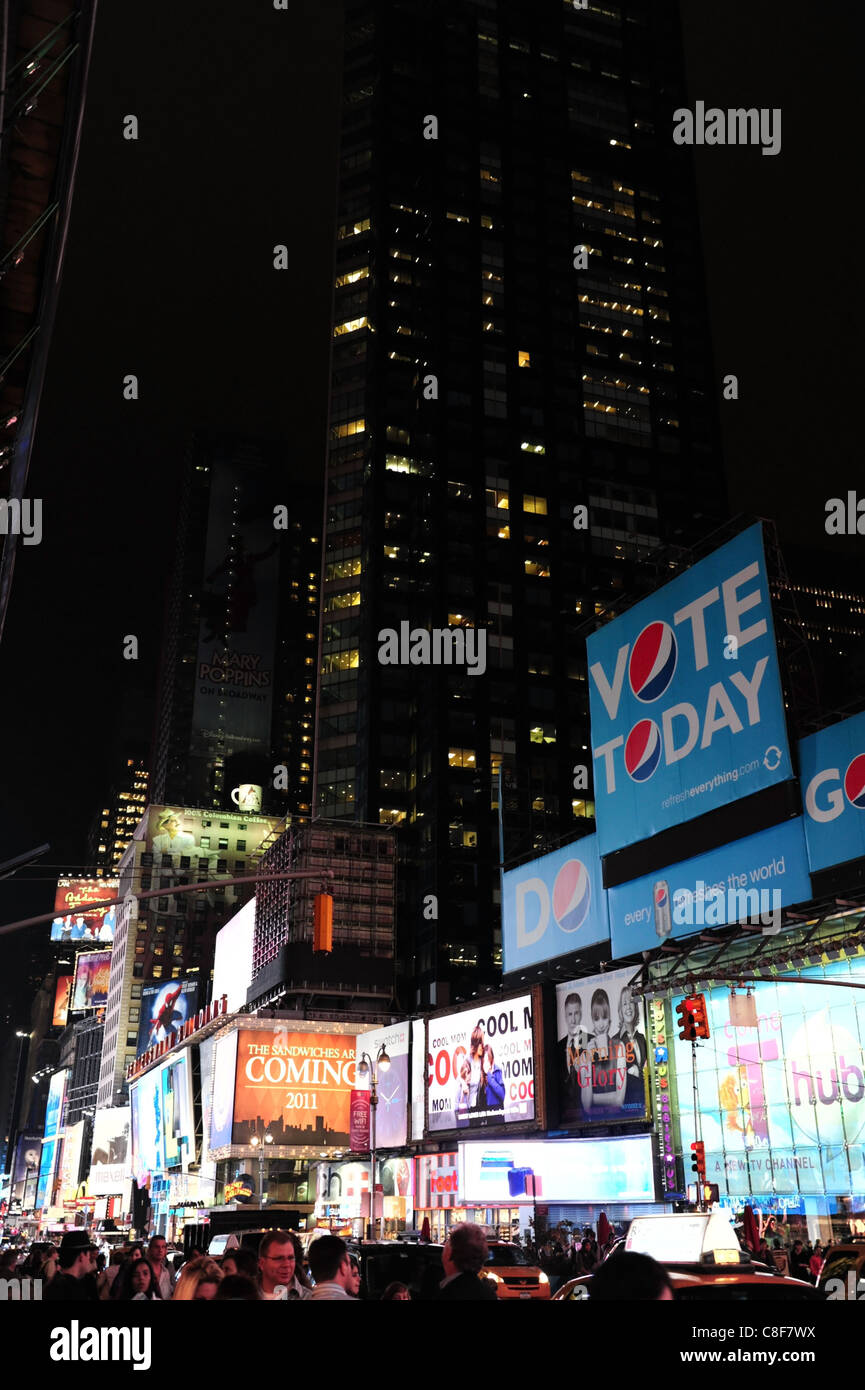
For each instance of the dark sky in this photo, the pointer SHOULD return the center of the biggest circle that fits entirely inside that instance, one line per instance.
(169, 276)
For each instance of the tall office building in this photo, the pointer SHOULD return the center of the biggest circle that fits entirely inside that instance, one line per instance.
(519, 332)
(237, 688)
(114, 824)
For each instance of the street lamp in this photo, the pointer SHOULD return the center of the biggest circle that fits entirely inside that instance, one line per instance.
(259, 1142)
(366, 1067)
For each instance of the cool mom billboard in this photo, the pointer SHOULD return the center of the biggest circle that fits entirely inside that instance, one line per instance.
(832, 769)
(554, 905)
(685, 698)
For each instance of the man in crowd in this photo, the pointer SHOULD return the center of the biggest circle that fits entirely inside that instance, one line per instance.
(156, 1253)
(334, 1270)
(463, 1257)
(75, 1279)
(277, 1268)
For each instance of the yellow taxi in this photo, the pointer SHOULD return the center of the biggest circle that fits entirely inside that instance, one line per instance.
(703, 1261)
(513, 1273)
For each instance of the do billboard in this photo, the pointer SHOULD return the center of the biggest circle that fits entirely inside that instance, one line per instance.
(480, 1066)
(554, 905)
(601, 1050)
(832, 770)
(754, 877)
(685, 698)
(76, 923)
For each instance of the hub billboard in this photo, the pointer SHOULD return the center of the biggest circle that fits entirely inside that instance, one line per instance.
(832, 770)
(554, 905)
(685, 698)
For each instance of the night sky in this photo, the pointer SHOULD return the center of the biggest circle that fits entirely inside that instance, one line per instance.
(169, 276)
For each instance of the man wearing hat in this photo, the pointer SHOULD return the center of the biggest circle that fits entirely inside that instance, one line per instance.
(73, 1282)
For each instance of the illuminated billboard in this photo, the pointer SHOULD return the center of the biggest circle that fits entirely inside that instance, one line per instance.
(782, 1104)
(554, 905)
(480, 1065)
(76, 923)
(204, 837)
(148, 1134)
(565, 1170)
(70, 1160)
(28, 1152)
(232, 961)
(165, 1007)
(755, 877)
(601, 1050)
(391, 1112)
(832, 769)
(62, 991)
(297, 1085)
(222, 1111)
(685, 698)
(163, 1120)
(110, 1164)
(90, 990)
(50, 1141)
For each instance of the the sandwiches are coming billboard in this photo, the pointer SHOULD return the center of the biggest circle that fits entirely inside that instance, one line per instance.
(296, 1085)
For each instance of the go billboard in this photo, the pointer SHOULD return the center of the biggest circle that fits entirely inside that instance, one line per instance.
(554, 905)
(832, 770)
(685, 698)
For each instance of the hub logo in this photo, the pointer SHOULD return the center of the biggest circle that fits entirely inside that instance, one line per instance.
(712, 718)
(572, 894)
(653, 662)
(643, 750)
(854, 783)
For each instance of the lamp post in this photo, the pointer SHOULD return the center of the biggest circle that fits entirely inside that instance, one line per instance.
(260, 1142)
(366, 1067)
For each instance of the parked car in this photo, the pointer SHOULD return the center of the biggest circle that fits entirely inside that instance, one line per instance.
(847, 1264)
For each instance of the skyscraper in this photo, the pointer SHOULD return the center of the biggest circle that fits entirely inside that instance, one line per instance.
(521, 410)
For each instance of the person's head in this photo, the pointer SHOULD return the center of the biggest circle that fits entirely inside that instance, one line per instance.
(573, 1013)
(627, 1010)
(627, 1276)
(141, 1277)
(77, 1254)
(330, 1262)
(489, 1058)
(277, 1260)
(465, 1250)
(168, 823)
(238, 1287)
(396, 1293)
(199, 1280)
(156, 1250)
(587, 1244)
(476, 1044)
(240, 1261)
(601, 1011)
(465, 1069)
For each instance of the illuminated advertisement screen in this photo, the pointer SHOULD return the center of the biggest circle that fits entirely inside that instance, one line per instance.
(164, 1009)
(54, 1104)
(567, 1170)
(177, 1115)
(601, 1050)
(297, 1084)
(204, 839)
(222, 1112)
(480, 1066)
(111, 1157)
(782, 1105)
(832, 769)
(28, 1153)
(391, 1113)
(75, 923)
(62, 991)
(232, 961)
(148, 1135)
(70, 1159)
(554, 905)
(45, 1182)
(685, 698)
(90, 990)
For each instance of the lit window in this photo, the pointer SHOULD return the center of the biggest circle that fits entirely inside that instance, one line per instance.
(352, 229)
(498, 499)
(350, 326)
(538, 569)
(390, 815)
(462, 757)
(529, 446)
(538, 505)
(543, 733)
(349, 599)
(351, 277)
(524, 359)
(349, 427)
(339, 661)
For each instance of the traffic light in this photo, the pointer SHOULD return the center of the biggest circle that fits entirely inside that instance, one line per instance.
(693, 1018)
(698, 1161)
(322, 923)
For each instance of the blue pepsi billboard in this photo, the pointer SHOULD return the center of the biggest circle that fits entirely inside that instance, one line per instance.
(554, 905)
(754, 877)
(832, 770)
(685, 698)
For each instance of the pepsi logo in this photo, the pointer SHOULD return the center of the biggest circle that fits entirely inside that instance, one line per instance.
(572, 894)
(643, 750)
(854, 782)
(653, 662)
(661, 896)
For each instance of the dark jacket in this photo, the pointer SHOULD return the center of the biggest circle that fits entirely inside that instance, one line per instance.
(64, 1288)
(469, 1287)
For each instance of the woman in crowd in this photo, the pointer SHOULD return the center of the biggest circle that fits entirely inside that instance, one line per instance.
(135, 1283)
(397, 1293)
(240, 1261)
(199, 1281)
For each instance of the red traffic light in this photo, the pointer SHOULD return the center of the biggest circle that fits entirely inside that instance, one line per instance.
(693, 1018)
(698, 1161)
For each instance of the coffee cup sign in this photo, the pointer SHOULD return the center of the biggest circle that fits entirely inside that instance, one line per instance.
(247, 797)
